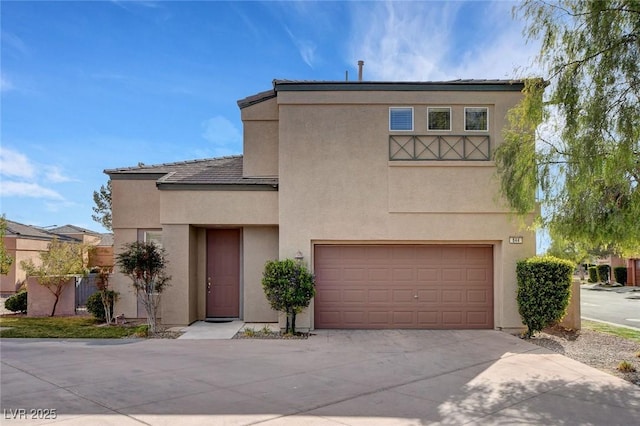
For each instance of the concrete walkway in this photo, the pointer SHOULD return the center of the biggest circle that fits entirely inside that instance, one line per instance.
(337, 377)
(201, 330)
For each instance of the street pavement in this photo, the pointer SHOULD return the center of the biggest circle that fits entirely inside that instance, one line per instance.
(616, 305)
(340, 377)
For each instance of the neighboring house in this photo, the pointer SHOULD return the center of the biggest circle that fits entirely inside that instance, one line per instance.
(24, 242)
(101, 253)
(386, 190)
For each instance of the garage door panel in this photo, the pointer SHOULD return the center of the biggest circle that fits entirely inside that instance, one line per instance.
(452, 296)
(478, 296)
(379, 296)
(428, 274)
(354, 296)
(427, 296)
(428, 319)
(475, 274)
(452, 275)
(328, 296)
(379, 318)
(412, 286)
(403, 318)
(403, 274)
(379, 274)
(452, 318)
(403, 296)
(477, 318)
(353, 317)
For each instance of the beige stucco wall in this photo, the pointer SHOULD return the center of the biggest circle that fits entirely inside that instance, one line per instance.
(180, 297)
(136, 204)
(219, 207)
(20, 249)
(260, 244)
(260, 139)
(40, 300)
(338, 185)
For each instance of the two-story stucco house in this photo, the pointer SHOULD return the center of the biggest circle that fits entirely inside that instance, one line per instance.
(386, 189)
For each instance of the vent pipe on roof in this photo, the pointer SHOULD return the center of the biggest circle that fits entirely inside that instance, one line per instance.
(360, 65)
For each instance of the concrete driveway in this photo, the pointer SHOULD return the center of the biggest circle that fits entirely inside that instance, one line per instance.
(333, 378)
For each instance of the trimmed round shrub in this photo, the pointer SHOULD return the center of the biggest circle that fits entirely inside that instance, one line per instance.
(95, 306)
(289, 288)
(544, 289)
(603, 273)
(593, 274)
(620, 273)
(17, 302)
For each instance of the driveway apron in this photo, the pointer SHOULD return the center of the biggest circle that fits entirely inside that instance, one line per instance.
(335, 377)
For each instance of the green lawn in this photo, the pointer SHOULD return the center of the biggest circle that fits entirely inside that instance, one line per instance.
(65, 328)
(627, 333)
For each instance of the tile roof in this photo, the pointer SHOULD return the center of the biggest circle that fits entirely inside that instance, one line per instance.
(15, 229)
(72, 229)
(107, 240)
(211, 171)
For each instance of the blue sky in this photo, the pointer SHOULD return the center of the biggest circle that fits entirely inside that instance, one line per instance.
(92, 85)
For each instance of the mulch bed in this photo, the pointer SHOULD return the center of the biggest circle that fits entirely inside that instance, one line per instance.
(599, 350)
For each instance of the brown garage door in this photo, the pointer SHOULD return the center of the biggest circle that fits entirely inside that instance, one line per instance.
(403, 286)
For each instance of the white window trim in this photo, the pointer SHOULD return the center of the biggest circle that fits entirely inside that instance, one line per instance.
(146, 239)
(412, 119)
(465, 119)
(450, 119)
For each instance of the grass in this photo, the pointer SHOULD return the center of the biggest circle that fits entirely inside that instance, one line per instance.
(64, 328)
(626, 367)
(623, 332)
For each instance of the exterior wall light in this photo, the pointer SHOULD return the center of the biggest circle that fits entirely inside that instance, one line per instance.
(298, 256)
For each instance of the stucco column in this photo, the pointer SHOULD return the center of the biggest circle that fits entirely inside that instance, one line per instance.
(175, 305)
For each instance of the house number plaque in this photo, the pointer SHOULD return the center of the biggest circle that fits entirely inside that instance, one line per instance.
(515, 240)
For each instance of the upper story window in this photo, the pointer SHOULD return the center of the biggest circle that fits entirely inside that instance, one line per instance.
(476, 119)
(439, 118)
(401, 118)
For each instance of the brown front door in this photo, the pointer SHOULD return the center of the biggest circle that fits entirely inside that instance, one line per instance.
(223, 273)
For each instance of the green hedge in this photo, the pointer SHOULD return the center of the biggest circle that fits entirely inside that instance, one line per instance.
(544, 289)
(593, 274)
(17, 302)
(95, 306)
(603, 273)
(620, 273)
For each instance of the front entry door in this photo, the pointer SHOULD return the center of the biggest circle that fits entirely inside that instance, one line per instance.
(223, 273)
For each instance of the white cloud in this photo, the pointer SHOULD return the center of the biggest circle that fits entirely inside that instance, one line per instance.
(5, 84)
(27, 189)
(306, 48)
(15, 164)
(224, 136)
(402, 41)
(416, 41)
(54, 174)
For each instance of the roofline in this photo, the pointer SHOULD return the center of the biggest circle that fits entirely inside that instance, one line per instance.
(403, 86)
(150, 169)
(132, 175)
(217, 186)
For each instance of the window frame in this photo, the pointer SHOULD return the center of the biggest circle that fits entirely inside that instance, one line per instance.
(465, 119)
(450, 119)
(145, 234)
(412, 118)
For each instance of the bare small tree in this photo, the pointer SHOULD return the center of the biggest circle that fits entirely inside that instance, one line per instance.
(107, 296)
(57, 265)
(145, 264)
